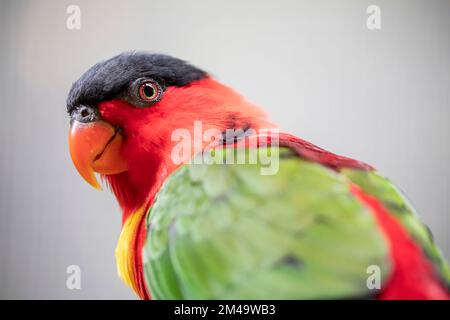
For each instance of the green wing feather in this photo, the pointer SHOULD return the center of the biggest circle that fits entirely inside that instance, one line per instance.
(228, 232)
(392, 198)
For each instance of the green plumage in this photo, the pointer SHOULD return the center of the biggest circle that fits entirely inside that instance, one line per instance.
(380, 187)
(228, 232)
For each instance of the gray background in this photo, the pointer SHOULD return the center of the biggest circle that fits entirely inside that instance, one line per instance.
(379, 96)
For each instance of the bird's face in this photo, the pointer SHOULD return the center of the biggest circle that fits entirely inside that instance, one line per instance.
(123, 112)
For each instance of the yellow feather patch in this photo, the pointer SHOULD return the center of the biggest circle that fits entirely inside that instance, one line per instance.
(125, 253)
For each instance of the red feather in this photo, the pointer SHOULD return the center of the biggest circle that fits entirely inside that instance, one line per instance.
(413, 276)
(148, 146)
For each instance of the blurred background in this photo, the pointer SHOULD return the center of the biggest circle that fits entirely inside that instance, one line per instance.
(382, 96)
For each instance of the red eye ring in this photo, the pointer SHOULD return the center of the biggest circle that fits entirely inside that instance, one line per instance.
(149, 91)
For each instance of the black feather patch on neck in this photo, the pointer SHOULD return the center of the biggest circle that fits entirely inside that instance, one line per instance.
(107, 79)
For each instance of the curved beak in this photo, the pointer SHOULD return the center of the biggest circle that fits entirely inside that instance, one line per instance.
(95, 147)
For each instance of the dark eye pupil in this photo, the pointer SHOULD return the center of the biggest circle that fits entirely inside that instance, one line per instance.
(149, 91)
(84, 113)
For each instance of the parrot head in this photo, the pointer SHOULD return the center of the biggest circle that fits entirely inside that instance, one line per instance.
(124, 110)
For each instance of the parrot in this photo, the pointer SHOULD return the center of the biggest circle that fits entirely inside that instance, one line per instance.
(198, 226)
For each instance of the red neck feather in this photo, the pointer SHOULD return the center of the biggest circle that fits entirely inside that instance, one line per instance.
(148, 143)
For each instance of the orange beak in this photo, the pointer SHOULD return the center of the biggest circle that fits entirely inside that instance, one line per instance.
(95, 147)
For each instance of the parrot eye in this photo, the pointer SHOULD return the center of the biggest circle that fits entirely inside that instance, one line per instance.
(145, 92)
(149, 91)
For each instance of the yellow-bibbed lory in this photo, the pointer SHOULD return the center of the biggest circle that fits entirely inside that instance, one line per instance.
(320, 226)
